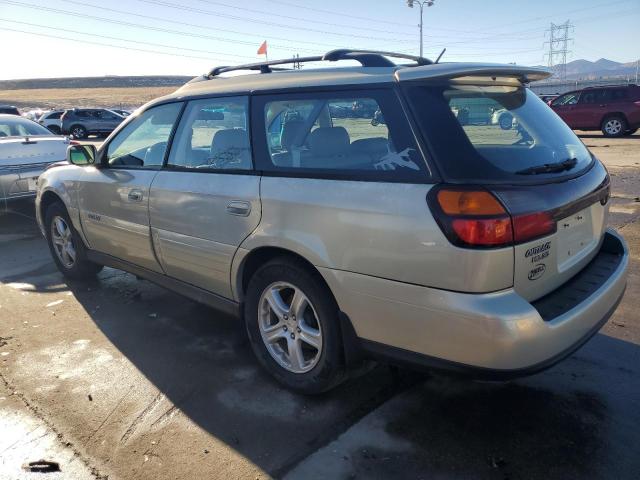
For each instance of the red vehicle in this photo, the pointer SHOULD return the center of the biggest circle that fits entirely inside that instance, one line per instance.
(614, 109)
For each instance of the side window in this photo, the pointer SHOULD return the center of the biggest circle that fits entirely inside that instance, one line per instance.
(568, 99)
(590, 97)
(341, 132)
(213, 135)
(619, 94)
(143, 142)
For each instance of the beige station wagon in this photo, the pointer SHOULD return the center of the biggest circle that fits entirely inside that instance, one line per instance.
(355, 212)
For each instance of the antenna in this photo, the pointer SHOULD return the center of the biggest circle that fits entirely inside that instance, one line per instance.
(440, 56)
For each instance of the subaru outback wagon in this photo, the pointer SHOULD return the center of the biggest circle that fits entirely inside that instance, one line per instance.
(472, 248)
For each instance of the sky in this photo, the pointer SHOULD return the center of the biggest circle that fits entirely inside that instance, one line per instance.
(66, 38)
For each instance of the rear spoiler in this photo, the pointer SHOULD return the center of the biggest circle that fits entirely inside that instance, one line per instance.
(456, 70)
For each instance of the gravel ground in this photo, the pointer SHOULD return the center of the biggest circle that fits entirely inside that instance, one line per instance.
(122, 379)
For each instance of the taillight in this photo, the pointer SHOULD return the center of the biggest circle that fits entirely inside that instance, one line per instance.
(532, 225)
(475, 218)
(488, 232)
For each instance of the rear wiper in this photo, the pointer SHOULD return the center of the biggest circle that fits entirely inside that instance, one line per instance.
(549, 167)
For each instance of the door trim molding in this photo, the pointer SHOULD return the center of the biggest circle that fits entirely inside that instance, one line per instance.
(194, 293)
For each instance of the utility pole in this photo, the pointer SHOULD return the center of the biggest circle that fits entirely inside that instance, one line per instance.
(558, 48)
(421, 4)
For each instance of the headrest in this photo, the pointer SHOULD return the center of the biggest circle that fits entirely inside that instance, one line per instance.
(232, 138)
(370, 145)
(329, 141)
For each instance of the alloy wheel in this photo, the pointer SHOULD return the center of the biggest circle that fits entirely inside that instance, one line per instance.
(63, 242)
(613, 126)
(289, 327)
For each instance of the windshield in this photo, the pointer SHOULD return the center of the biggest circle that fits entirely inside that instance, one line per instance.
(20, 127)
(495, 133)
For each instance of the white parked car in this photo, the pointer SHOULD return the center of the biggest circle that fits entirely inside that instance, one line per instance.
(51, 120)
(26, 149)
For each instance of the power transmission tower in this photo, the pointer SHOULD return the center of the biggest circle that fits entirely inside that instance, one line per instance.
(558, 48)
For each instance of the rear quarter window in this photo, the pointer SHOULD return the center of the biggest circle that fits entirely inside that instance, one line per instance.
(363, 135)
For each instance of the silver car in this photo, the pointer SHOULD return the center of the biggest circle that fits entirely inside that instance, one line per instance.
(422, 240)
(26, 149)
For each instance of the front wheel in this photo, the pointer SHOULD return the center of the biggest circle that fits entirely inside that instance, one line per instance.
(292, 323)
(66, 246)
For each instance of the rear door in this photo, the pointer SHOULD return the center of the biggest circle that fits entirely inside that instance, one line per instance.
(114, 198)
(207, 199)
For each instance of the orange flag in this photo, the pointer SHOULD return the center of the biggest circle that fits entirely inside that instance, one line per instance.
(263, 48)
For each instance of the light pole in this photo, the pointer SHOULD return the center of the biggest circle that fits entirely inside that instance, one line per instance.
(421, 4)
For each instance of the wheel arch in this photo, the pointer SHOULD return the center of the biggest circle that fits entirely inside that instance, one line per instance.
(612, 114)
(47, 199)
(257, 257)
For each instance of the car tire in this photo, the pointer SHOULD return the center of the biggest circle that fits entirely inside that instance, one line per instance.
(505, 121)
(54, 129)
(66, 246)
(614, 126)
(630, 132)
(292, 322)
(78, 131)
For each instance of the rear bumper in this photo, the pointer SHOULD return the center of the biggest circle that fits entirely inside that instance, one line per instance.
(496, 335)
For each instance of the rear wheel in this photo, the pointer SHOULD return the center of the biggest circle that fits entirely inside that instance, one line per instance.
(614, 126)
(78, 131)
(67, 248)
(292, 323)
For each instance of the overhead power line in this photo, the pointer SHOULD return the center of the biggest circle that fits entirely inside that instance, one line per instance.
(128, 40)
(341, 14)
(195, 25)
(59, 37)
(260, 21)
(144, 27)
(302, 19)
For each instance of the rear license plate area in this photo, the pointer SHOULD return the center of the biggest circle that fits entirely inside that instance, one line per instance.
(576, 238)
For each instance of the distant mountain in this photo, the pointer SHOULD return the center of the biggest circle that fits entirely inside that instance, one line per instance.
(96, 82)
(603, 68)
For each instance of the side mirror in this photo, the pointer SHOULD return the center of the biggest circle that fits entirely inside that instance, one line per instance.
(81, 154)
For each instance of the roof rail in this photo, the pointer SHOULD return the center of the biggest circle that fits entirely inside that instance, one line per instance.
(603, 85)
(367, 58)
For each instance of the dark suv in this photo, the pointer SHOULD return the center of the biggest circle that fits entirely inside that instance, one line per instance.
(82, 122)
(613, 109)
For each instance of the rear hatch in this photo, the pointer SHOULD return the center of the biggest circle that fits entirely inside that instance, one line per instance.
(493, 135)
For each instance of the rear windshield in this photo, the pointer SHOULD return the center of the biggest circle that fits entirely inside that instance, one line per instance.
(20, 127)
(495, 134)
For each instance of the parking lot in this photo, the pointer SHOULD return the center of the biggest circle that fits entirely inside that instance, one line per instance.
(123, 379)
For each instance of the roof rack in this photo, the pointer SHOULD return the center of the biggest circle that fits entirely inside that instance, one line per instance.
(367, 58)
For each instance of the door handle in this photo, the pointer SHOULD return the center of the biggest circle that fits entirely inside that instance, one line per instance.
(239, 207)
(135, 196)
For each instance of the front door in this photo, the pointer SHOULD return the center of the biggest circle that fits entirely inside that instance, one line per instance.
(565, 106)
(114, 197)
(207, 200)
